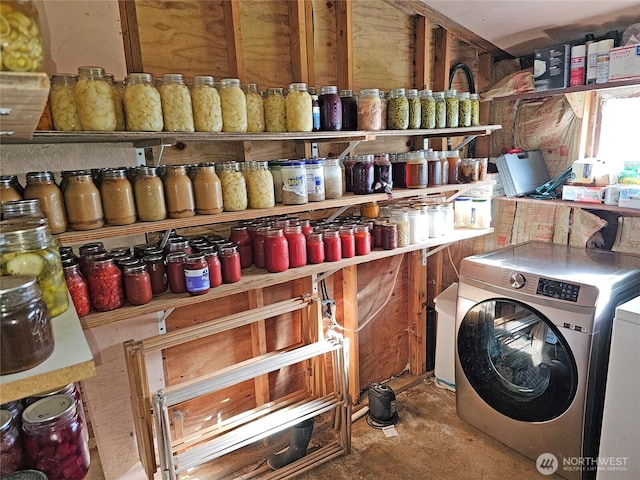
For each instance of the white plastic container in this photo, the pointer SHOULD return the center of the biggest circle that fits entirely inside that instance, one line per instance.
(444, 369)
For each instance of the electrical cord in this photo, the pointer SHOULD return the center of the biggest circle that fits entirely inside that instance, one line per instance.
(471, 150)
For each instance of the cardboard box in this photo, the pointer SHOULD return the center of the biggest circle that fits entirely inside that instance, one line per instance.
(624, 63)
(551, 67)
(577, 193)
(487, 191)
(629, 196)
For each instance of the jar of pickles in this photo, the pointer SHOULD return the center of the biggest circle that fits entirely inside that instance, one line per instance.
(453, 108)
(177, 110)
(84, 205)
(41, 186)
(207, 107)
(234, 186)
(464, 109)
(178, 192)
(207, 189)
(275, 111)
(255, 108)
(142, 104)
(369, 110)
(427, 109)
(415, 109)
(22, 46)
(62, 100)
(299, 109)
(118, 201)
(27, 248)
(475, 109)
(149, 194)
(259, 185)
(441, 109)
(95, 101)
(234, 106)
(397, 110)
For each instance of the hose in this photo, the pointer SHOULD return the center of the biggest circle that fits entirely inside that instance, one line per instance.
(472, 89)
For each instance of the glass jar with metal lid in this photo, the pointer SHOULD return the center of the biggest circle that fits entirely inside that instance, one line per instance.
(464, 109)
(275, 168)
(382, 171)
(415, 108)
(8, 190)
(434, 169)
(137, 284)
(275, 111)
(178, 192)
(207, 189)
(349, 110)
(21, 208)
(427, 109)
(234, 186)
(177, 110)
(77, 286)
(27, 248)
(41, 185)
(118, 89)
(475, 109)
(64, 110)
(118, 201)
(27, 336)
(234, 106)
(207, 109)
(400, 218)
(259, 185)
(105, 284)
(84, 205)
(453, 108)
(397, 110)
(363, 175)
(294, 183)
(255, 108)
(369, 109)
(10, 444)
(416, 173)
(56, 439)
(94, 98)
(142, 104)
(299, 108)
(149, 194)
(22, 46)
(332, 178)
(441, 110)
(314, 169)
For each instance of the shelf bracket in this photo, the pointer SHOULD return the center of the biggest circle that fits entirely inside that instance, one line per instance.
(468, 139)
(162, 320)
(352, 144)
(339, 212)
(325, 275)
(144, 151)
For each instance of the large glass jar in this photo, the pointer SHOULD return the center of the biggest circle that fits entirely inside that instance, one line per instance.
(332, 178)
(363, 240)
(453, 162)
(259, 185)
(315, 248)
(276, 173)
(315, 180)
(349, 110)
(398, 169)
(175, 272)
(427, 109)
(416, 173)
(230, 264)
(382, 171)
(77, 286)
(294, 183)
(196, 274)
(142, 104)
(347, 242)
(240, 237)
(84, 205)
(434, 170)
(453, 108)
(297, 244)
(389, 234)
(56, 439)
(369, 109)
(255, 108)
(397, 110)
(149, 194)
(415, 109)
(10, 444)
(275, 111)
(41, 186)
(469, 170)
(299, 108)
(475, 109)
(330, 109)
(157, 272)
(118, 201)
(8, 189)
(441, 110)
(464, 109)
(118, 89)
(27, 248)
(207, 107)
(137, 283)
(363, 175)
(105, 284)
(234, 106)
(332, 245)
(21, 208)
(62, 100)
(207, 190)
(400, 219)
(22, 47)
(177, 110)
(276, 251)
(178, 192)
(26, 334)
(234, 186)
(94, 98)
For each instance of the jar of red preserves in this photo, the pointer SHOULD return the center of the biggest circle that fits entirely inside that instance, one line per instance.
(362, 238)
(276, 251)
(10, 444)
(230, 264)
(56, 440)
(306, 227)
(258, 246)
(105, 284)
(315, 248)
(347, 242)
(377, 234)
(137, 284)
(77, 286)
(389, 236)
(332, 245)
(175, 272)
(178, 244)
(213, 262)
(157, 272)
(297, 246)
(196, 273)
(240, 236)
(85, 251)
(363, 175)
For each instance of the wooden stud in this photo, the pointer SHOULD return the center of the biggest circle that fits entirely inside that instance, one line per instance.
(259, 346)
(441, 69)
(130, 36)
(310, 53)
(344, 43)
(483, 145)
(298, 38)
(350, 318)
(417, 312)
(233, 34)
(422, 65)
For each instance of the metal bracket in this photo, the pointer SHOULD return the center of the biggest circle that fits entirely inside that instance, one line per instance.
(315, 152)
(468, 139)
(337, 213)
(325, 275)
(352, 144)
(162, 320)
(144, 151)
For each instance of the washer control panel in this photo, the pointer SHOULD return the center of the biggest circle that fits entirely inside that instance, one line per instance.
(556, 289)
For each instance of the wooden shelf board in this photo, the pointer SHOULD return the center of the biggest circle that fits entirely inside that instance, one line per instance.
(562, 91)
(22, 98)
(630, 212)
(255, 278)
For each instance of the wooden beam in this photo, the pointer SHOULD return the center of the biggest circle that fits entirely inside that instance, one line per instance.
(259, 346)
(298, 38)
(310, 53)
(483, 145)
(233, 34)
(441, 67)
(417, 312)
(422, 60)
(350, 316)
(344, 43)
(130, 36)
(434, 277)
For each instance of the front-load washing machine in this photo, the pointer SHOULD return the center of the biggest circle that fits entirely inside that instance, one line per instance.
(533, 330)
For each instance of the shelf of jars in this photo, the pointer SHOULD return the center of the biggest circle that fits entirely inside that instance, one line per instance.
(255, 278)
(44, 137)
(625, 211)
(71, 361)
(82, 236)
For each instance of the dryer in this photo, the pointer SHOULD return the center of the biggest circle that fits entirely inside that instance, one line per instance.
(533, 330)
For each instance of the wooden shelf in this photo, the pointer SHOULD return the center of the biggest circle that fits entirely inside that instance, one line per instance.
(23, 97)
(71, 361)
(629, 212)
(562, 91)
(255, 278)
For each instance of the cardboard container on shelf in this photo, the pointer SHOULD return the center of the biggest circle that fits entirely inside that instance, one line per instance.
(551, 67)
(579, 193)
(624, 63)
(629, 196)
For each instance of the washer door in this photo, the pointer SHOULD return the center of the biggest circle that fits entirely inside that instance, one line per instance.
(517, 360)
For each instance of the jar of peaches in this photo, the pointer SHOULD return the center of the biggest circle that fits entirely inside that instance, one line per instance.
(176, 104)
(95, 101)
(142, 105)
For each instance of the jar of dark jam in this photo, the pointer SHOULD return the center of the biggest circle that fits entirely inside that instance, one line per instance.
(56, 439)
(363, 175)
(398, 169)
(382, 171)
(230, 264)
(10, 444)
(16, 407)
(349, 110)
(77, 286)
(137, 284)
(178, 244)
(196, 273)
(105, 284)
(157, 273)
(389, 236)
(175, 272)
(330, 109)
(348, 163)
(434, 170)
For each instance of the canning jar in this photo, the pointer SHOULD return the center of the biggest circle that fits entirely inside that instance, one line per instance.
(10, 444)
(56, 438)
(21, 208)
(363, 175)
(142, 104)
(480, 213)
(369, 109)
(178, 244)
(400, 219)
(234, 186)
(77, 286)
(275, 111)
(260, 189)
(427, 109)
(27, 336)
(332, 245)
(314, 169)
(95, 101)
(175, 272)
(294, 183)
(315, 109)
(240, 237)
(276, 173)
(234, 106)
(399, 169)
(105, 284)
(469, 169)
(348, 163)
(207, 190)
(255, 108)
(177, 110)
(370, 210)
(397, 110)
(383, 110)
(41, 186)
(436, 221)
(415, 109)
(483, 165)
(22, 46)
(416, 173)
(464, 111)
(86, 251)
(258, 246)
(213, 263)
(118, 201)
(444, 166)
(117, 88)
(62, 100)
(332, 178)
(207, 108)
(382, 171)
(84, 205)
(453, 108)
(178, 192)
(453, 166)
(349, 110)
(389, 236)
(441, 109)
(434, 170)
(362, 239)
(149, 194)
(299, 108)
(157, 272)
(462, 212)
(297, 244)
(137, 283)
(315, 248)
(347, 242)
(475, 109)
(27, 248)
(330, 109)
(415, 227)
(196, 272)
(230, 264)
(276, 251)
(8, 190)
(449, 219)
